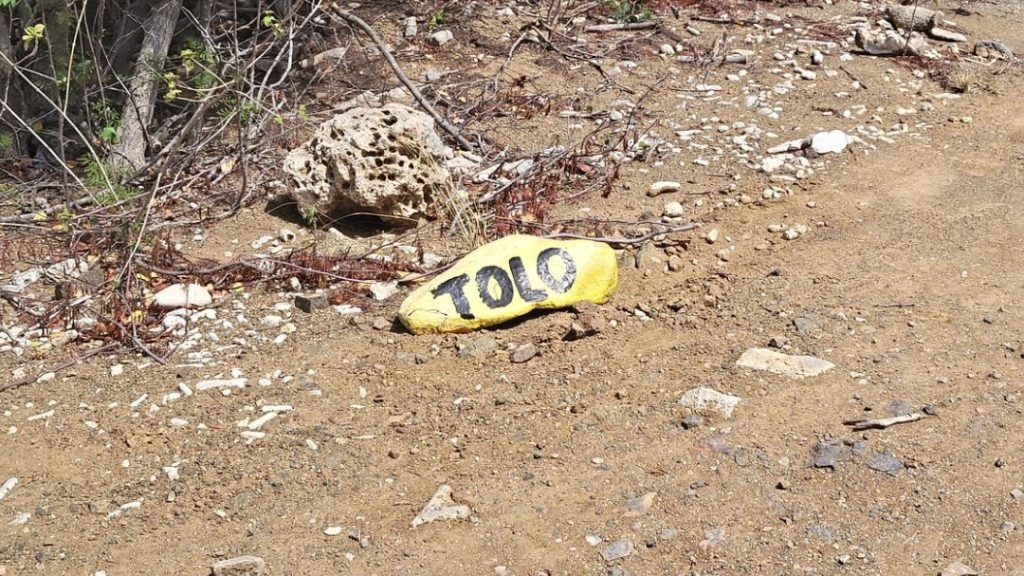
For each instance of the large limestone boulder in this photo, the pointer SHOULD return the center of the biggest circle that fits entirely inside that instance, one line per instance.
(386, 161)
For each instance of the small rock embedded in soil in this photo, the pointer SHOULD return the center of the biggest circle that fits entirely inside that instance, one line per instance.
(829, 453)
(182, 296)
(784, 364)
(710, 399)
(7, 486)
(240, 566)
(640, 505)
(616, 550)
(886, 462)
(664, 187)
(523, 353)
(309, 303)
(692, 421)
(441, 507)
(477, 347)
(958, 569)
(673, 210)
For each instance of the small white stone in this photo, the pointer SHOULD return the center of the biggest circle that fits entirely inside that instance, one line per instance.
(712, 236)
(834, 141)
(182, 296)
(441, 37)
(710, 399)
(332, 530)
(673, 210)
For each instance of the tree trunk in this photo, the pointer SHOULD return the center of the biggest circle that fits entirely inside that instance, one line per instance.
(130, 152)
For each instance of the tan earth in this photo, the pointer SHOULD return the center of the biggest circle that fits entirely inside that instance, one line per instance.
(909, 279)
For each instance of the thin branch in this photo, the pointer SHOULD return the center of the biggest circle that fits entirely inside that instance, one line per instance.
(445, 124)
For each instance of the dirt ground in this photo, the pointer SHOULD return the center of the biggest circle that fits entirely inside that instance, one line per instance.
(909, 278)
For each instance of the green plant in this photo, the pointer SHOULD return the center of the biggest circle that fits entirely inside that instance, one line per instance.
(106, 121)
(64, 220)
(98, 174)
(33, 34)
(231, 104)
(198, 62)
(271, 21)
(8, 3)
(627, 11)
(310, 216)
(437, 18)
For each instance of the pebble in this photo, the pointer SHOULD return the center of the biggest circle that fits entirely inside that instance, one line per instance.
(640, 505)
(886, 462)
(239, 566)
(383, 290)
(523, 353)
(958, 569)
(182, 296)
(704, 398)
(117, 370)
(309, 303)
(441, 507)
(332, 530)
(712, 236)
(616, 550)
(829, 453)
(794, 232)
(411, 27)
(593, 539)
(441, 37)
(673, 210)
(783, 364)
(664, 187)
(692, 421)
(477, 347)
(834, 141)
(7, 486)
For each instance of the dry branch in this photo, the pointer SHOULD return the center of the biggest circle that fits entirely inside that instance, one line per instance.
(441, 120)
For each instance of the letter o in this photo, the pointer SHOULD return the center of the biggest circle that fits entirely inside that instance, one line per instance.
(560, 285)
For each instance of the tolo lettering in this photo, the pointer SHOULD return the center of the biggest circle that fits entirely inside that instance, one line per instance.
(496, 287)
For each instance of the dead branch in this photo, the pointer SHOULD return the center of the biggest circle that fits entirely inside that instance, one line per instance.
(78, 360)
(628, 241)
(444, 123)
(883, 423)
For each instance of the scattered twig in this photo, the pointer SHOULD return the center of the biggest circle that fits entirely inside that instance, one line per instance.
(882, 423)
(78, 360)
(627, 241)
(854, 77)
(444, 123)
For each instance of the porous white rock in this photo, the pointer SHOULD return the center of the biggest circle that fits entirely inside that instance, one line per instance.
(386, 161)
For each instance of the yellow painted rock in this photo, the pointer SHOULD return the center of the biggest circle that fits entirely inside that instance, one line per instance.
(508, 278)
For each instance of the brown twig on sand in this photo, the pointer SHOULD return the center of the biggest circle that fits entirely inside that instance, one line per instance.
(30, 379)
(882, 423)
(627, 241)
(853, 77)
